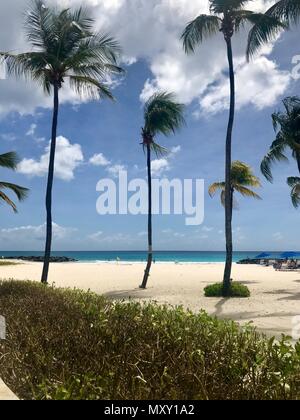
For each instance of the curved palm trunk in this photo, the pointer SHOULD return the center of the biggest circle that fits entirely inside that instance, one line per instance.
(150, 250)
(228, 190)
(49, 188)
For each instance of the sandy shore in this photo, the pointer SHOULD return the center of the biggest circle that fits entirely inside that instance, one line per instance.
(274, 301)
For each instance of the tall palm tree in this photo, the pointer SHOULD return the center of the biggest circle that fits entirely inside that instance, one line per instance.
(287, 126)
(10, 161)
(294, 183)
(242, 178)
(162, 115)
(228, 17)
(64, 48)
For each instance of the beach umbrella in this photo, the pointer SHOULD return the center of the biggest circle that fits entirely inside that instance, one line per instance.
(263, 255)
(290, 254)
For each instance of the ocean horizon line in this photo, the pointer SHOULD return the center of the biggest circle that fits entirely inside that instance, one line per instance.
(141, 256)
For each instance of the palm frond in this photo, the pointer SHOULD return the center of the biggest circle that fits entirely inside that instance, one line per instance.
(38, 25)
(28, 65)
(294, 183)
(242, 174)
(20, 192)
(163, 115)
(275, 154)
(215, 187)
(226, 6)
(265, 29)
(159, 151)
(241, 178)
(286, 11)
(204, 26)
(88, 87)
(9, 160)
(7, 200)
(246, 192)
(98, 48)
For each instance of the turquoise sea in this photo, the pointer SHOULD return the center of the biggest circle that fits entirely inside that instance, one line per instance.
(140, 256)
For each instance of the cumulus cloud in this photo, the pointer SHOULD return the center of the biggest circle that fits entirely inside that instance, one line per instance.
(99, 160)
(154, 35)
(160, 166)
(68, 158)
(259, 83)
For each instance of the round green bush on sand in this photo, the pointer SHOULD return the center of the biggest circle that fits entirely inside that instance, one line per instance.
(237, 290)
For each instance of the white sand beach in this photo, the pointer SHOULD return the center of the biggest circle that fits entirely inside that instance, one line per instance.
(274, 301)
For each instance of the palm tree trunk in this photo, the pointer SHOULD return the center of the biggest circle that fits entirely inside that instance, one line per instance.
(228, 190)
(49, 188)
(150, 250)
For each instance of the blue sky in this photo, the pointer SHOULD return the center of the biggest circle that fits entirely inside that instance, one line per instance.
(113, 130)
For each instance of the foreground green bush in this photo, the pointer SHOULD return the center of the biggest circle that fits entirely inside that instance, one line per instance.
(75, 345)
(236, 290)
(5, 263)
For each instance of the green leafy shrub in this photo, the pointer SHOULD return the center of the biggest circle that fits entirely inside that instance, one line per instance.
(237, 290)
(64, 344)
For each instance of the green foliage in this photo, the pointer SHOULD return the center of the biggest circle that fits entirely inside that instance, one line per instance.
(237, 290)
(6, 263)
(294, 183)
(286, 10)
(163, 115)
(287, 126)
(228, 17)
(242, 177)
(10, 161)
(65, 344)
(65, 47)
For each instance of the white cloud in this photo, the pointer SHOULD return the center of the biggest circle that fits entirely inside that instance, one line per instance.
(23, 234)
(31, 131)
(99, 160)
(96, 236)
(68, 158)
(259, 83)
(160, 166)
(115, 169)
(153, 34)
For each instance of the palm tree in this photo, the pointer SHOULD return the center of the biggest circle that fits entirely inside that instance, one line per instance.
(294, 183)
(162, 115)
(287, 126)
(228, 17)
(10, 161)
(64, 47)
(242, 178)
